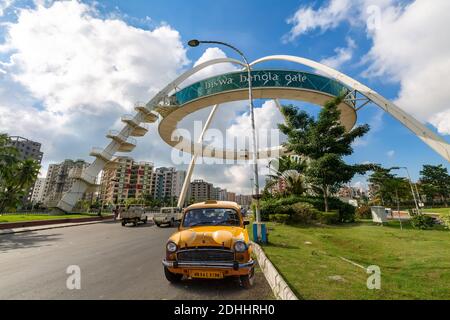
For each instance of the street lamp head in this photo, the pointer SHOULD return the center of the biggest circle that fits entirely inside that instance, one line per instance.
(193, 43)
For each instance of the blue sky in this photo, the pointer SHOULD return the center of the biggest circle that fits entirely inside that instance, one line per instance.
(260, 28)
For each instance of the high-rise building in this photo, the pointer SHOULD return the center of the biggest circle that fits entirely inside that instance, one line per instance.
(126, 179)
(60, 179)
(231, 196)
(38, 191)
(27, 149)
(223, 195)
(167, 183)
(215, 192)
(244, 200)
(200, 190)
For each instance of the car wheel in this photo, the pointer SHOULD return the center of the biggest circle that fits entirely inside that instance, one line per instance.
(123, 223)
(248, 280)
(172, 223)
(135, 223)
(158, 225)
(172, 277)
(145, 220)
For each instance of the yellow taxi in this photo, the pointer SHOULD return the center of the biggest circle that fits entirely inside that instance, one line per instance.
(211, 243)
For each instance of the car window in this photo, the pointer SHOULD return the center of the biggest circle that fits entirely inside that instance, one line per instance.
(211, 217)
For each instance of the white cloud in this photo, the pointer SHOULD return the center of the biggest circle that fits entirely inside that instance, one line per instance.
(69, 59)
(390, 154)
(329, 16)
(410, 46)
(4, 5)
(307, 19)
(343, 55)
(413, 48)
(71, 74)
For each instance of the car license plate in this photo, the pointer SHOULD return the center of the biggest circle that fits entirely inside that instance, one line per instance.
(206, 274)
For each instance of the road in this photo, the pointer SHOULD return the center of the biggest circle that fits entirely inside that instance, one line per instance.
(115, 262)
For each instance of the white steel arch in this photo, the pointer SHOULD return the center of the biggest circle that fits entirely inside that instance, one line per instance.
(160, 104)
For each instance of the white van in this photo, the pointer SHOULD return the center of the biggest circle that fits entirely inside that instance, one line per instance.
(168, 216)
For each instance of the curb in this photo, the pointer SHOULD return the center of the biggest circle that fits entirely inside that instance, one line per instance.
(49, 227)
(37, 223)
(279, 287)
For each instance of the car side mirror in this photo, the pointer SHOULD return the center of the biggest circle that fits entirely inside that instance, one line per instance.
(246, 223)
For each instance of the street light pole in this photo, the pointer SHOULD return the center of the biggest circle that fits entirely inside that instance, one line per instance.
(195, 43)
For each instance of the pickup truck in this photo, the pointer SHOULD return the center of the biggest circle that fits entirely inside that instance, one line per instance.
(168, 216)
(133, 215)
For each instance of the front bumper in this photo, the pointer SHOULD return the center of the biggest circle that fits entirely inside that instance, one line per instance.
(208, 264)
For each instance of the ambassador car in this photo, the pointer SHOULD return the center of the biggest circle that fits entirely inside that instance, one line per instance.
(211, 243)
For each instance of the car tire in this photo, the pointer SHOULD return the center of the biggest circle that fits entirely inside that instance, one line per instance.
(123, 223)
(172, 277)
(172, 223)
(158, 225)
(145, 220)
(248, 280)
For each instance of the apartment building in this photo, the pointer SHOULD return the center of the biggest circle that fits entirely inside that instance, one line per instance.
(200, 190)
(167, 183)
(127, 179)
(59, 180)
(27, 149)
(38, 191)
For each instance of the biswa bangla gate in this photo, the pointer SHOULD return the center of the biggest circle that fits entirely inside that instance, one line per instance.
(171, 105)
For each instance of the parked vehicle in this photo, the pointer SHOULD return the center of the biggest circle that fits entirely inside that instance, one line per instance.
(133, 215)
(211, 242)
(168, 216)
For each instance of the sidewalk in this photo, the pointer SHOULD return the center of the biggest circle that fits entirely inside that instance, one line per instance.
(50, 226)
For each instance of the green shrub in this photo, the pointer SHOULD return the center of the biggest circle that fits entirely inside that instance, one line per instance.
(331, 217)
(280, 218)
(364, 212)
(445, 218)
(422, 221)
(272, 206)
(303, 212)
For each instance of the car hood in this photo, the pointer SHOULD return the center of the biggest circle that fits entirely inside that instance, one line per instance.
(206, 236)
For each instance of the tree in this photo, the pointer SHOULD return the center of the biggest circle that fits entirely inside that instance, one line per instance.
(290, 170)
(435, 181)
(389, 189)
(324, 142)
(16, 182)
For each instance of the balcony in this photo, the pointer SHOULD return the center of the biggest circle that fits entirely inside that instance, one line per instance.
(101, 154)
(149, 116)
(138, 129)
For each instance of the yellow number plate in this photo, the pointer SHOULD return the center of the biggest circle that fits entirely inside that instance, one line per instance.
(206, 274)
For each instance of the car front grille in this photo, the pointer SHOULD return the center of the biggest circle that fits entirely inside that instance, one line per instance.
(205, 255)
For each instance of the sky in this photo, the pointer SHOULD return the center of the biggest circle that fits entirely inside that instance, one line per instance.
(70, 69)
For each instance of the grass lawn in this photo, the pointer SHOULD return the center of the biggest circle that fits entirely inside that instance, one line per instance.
(33, 217)
(414, 264)
(438, 210)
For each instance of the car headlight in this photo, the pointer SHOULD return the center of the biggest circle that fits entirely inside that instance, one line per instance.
(240, 246)
(171, 246)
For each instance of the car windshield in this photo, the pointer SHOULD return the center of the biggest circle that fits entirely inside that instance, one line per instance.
(211, 217)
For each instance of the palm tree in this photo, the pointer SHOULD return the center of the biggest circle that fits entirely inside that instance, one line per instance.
(294, 182)
(16, 181)
(288, 169)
